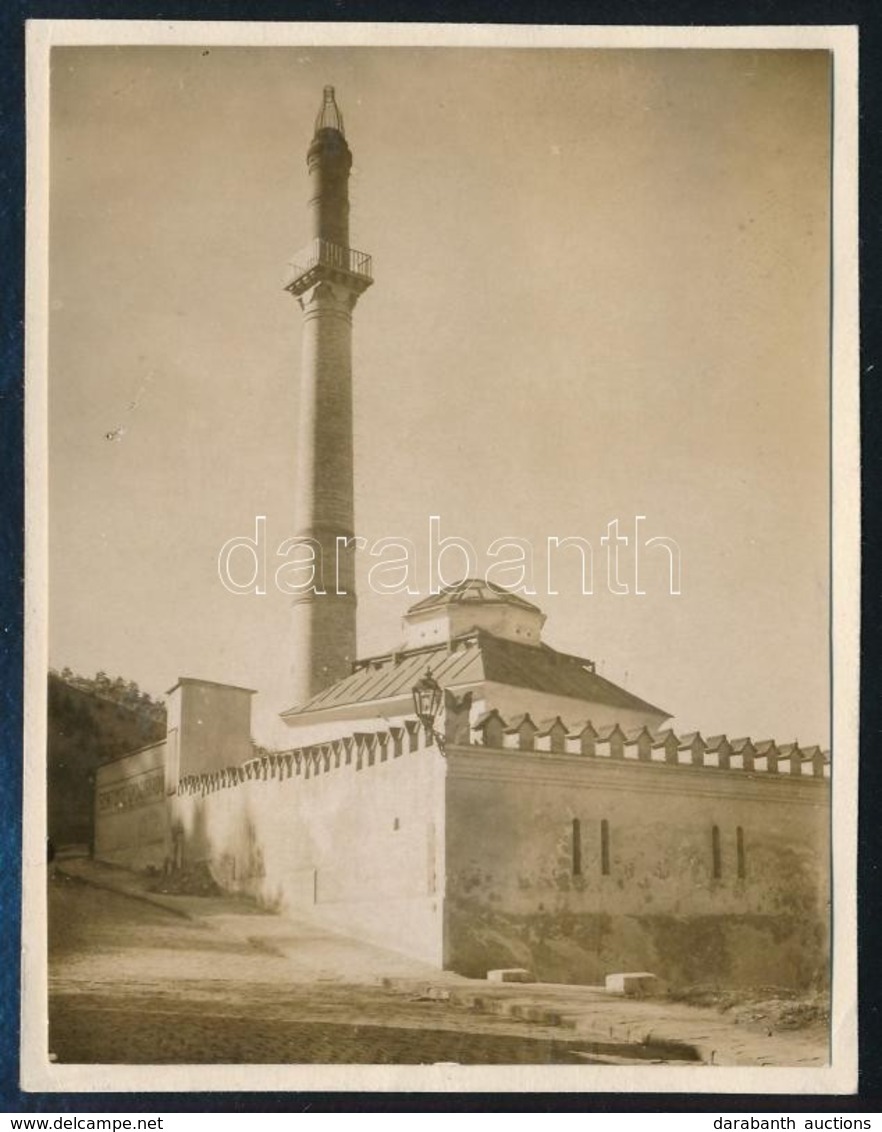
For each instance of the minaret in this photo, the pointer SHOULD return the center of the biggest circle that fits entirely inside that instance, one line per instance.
(327, 280)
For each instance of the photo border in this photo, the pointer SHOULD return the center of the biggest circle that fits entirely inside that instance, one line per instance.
(40, 1075)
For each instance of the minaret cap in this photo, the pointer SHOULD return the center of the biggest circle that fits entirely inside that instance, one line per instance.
(329, 117)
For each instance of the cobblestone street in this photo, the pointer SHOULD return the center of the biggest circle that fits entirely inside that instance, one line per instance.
(117, 996)
(99, 1033)
(132, 982)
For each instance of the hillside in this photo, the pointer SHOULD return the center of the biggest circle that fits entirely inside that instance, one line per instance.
(90, 720)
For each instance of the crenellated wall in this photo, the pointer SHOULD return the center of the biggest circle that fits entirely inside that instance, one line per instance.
(573, 851)
(348, 834)
(577, 852)
(568, 848)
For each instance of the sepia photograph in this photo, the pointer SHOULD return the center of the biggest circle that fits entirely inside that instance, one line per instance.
(442, 463)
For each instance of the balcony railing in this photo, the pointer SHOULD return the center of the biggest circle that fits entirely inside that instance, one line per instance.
(324, 253)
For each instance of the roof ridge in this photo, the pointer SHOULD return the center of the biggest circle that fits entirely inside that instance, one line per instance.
(486, 658)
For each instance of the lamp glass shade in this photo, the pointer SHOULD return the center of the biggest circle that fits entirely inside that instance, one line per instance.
(427, 698)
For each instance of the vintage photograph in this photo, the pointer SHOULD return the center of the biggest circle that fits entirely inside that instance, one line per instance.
(439, 482)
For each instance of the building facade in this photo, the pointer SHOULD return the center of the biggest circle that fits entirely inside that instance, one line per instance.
(575, 836)
(547, 818)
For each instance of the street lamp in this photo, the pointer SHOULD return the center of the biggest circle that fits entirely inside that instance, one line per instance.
(427, 696)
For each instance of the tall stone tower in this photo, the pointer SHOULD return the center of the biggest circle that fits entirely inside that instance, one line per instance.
(327, 279)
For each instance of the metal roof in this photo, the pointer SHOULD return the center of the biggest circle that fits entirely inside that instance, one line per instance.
(473, 659)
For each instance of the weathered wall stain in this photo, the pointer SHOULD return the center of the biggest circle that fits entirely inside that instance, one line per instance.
(519, 891)
(574, 866)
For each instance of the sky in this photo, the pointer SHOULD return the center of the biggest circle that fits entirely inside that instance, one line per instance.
(601, 291)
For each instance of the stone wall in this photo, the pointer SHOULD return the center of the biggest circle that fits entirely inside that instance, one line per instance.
(572, 850)
(131, 814)
(348, 834)
(578, 866)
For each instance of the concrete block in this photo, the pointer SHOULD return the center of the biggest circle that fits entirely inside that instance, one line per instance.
(510, 975)
(637, 984)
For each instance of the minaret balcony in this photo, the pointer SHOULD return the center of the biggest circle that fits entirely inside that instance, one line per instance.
(324, 260)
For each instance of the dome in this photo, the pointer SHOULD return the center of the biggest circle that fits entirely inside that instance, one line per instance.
(471, 590)
(471, 604)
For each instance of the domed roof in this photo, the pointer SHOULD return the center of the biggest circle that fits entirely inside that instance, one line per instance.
(472, 591)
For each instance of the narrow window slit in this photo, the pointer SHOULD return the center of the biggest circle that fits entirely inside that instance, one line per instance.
(577, 847)
(604, 847)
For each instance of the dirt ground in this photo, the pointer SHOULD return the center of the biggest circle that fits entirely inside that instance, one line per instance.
(133, 982)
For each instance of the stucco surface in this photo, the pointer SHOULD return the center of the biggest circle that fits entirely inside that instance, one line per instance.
(358, 847)
(514, 897)
(131, 815)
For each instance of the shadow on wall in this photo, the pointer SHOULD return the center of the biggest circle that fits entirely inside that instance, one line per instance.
(220, 837)
(230, 854)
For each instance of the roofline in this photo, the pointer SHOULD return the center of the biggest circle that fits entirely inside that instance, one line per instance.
(405, 697)
(440, 646)
(476, 631)
(317, 712)
(210, 684)
(637, 704)
(415, 615)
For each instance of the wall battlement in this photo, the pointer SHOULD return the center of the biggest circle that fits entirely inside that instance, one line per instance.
(489, 731)
(567, 847)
